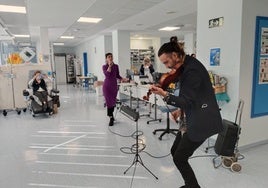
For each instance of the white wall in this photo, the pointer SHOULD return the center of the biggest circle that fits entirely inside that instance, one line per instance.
(96, 55)
(236, 40)
(256, 129)
(121, 50)
(189, 43)
(140, 43)
(227, 38)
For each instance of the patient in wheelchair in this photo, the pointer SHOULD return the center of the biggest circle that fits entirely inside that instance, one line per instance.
(40, 91)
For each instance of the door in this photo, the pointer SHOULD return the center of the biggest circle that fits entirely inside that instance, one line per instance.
(60, 68)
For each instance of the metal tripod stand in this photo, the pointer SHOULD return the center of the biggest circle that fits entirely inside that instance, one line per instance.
(131, 113)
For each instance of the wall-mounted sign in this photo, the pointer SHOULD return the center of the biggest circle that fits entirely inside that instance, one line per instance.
(215, 56)
(216, 22)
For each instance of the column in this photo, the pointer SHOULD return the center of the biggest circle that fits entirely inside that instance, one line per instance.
(189, 43)
(121, 50)
(42, 46)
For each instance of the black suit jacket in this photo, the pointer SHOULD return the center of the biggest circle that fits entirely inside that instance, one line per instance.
(198, 101)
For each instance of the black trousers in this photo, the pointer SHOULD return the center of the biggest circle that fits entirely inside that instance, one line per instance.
(110, 111)
(42, 96)
(181, 150)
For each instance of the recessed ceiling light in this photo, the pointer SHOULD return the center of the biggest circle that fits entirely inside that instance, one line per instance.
(169, 28)
(58, 44)
(67, 37)
(22, 36)
(14, 9)
(89, 20)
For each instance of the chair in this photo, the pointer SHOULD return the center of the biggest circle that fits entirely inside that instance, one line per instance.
(167, 130)
(33, 101)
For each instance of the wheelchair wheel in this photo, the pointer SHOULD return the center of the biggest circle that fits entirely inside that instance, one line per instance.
(236, 167)
(227, 162)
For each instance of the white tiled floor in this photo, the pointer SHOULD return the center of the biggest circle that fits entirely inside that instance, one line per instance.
(76, 149)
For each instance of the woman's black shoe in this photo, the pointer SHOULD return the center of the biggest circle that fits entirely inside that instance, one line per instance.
(111, 123)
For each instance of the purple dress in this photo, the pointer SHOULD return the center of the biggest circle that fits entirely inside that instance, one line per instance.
(110, 84)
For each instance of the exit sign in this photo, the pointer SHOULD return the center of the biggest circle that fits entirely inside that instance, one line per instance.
(216, 22)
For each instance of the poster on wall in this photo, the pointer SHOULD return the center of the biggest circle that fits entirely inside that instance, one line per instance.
(259, 104)
(215, 56)
(13, 54)
(263, 71)
(264, 41)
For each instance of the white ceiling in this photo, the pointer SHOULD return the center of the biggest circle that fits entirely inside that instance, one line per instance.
(142, 18)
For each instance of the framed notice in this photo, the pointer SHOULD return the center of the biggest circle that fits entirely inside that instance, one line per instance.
(215, 56)
(259, 104)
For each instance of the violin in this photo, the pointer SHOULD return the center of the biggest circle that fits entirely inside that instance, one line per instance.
(165, 80)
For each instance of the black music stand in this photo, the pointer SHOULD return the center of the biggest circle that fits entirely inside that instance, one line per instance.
(132, 114)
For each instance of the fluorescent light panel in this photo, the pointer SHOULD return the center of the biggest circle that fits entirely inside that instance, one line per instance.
(14, 9)
(22, 36)
(89, 20)
(67, 37)
(169, 28)
(58, 44)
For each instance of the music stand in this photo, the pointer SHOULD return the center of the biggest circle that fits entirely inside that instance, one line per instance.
(133, 115)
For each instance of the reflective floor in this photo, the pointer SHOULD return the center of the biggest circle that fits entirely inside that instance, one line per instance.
(75, 148)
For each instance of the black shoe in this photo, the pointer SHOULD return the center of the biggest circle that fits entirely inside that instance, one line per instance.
(32, 98)
(183, 186)
(111, 123)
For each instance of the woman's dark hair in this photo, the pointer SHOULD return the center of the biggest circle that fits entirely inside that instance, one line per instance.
(170, 47)
(106, 55)
(36, 72)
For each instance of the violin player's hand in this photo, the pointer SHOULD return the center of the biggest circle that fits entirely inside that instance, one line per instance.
(175, 115)
(158, 90)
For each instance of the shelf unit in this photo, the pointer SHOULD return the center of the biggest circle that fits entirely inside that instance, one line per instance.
(137, 56)
(70, 68)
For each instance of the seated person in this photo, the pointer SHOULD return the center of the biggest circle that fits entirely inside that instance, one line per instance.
(39, 86)
(146, 66)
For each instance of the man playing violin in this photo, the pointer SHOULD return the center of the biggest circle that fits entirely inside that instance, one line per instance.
(197, 100)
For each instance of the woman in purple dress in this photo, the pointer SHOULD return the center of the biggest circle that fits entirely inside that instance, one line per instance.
(111, 72)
